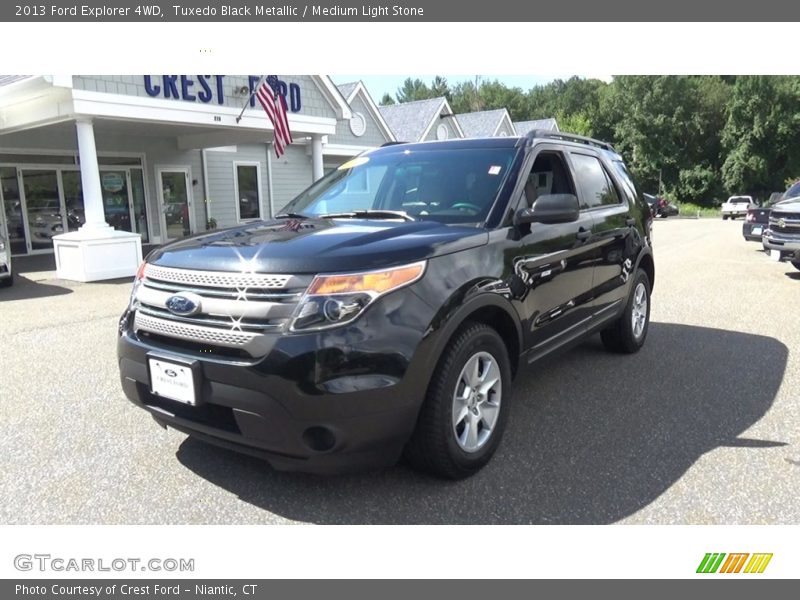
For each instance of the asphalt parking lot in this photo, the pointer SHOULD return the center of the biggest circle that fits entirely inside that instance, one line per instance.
(701, 426)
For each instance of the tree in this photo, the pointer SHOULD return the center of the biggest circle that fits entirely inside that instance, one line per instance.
(760, 135)
(413, 89)
(387, 99)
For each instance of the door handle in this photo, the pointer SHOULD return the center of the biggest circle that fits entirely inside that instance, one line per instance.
(583, 234)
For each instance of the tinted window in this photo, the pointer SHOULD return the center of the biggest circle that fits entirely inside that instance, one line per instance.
(596, 187)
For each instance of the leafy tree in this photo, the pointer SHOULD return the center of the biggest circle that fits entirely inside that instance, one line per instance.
(413, 89)
(387, 99)
(761, 133)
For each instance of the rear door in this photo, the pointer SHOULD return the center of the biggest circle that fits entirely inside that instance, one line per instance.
(614, 234)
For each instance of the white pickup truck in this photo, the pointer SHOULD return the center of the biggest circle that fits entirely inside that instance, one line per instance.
(736, 206)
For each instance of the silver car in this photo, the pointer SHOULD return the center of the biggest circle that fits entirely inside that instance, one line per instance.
(6, 275)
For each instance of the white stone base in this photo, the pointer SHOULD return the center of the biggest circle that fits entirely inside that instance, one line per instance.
(97, 254)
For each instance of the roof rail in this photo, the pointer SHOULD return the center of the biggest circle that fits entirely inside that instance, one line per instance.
(383, 145)
(569, 137)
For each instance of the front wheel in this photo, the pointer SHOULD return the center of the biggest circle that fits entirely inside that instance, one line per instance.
(724, 217)
(7, 282)
(465, 410)
(628, 333)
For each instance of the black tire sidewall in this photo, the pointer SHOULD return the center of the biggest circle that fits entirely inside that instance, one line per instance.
(484, 339)
(641, 277)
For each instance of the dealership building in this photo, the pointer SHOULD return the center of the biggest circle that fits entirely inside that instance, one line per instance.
(92, 167)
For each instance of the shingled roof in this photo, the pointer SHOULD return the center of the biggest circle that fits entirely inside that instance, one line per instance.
(483, 123)
(523, 127)
(411, 120)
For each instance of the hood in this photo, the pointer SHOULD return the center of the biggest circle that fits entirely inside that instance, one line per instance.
(793, 206)
(317, 245)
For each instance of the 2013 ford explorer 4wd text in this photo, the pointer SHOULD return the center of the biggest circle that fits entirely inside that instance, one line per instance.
(389, 307)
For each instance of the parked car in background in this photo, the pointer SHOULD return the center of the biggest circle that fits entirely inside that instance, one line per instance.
(737, 206)
(782, 237)
(757, 219)
(659, 207)
(6, 276)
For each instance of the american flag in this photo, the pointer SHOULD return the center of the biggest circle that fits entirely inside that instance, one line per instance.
(275, 107)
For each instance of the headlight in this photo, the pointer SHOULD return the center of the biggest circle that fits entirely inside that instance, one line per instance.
(333, 300)
(137, 282)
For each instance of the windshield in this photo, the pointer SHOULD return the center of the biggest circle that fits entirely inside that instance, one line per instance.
(446, 185)
(792, 192)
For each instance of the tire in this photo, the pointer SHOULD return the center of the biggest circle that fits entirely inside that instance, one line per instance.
(724, 217)
(628, 333)
(7, 281)
(458, 431)
(796, 264)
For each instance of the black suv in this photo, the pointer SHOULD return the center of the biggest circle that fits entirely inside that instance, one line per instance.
(388, 308)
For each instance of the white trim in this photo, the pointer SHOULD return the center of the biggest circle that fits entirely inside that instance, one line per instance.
(376, 113)
(340, 150)
(270, 192)
(437, 118)
(332, 95)
(506, 117)
(236, 199)
(187, 169)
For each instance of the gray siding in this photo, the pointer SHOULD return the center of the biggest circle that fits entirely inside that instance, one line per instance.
(505, 127)
(373, 136)
(452, 133)
(313, 101)
(222, 202)
(291, 174)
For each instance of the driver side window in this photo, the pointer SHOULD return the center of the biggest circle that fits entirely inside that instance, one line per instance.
(548, 175)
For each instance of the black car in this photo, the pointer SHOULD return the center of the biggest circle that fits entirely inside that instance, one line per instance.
(659, 207)
(757, 220)
(782, 236)
(388, 308)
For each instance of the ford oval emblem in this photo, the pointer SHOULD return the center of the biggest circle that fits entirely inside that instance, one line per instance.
(184, 304)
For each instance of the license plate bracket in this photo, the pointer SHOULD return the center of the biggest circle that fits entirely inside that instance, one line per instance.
(174, 378)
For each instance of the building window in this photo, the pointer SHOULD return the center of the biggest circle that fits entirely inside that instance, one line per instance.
(358, 124)
(248, 190)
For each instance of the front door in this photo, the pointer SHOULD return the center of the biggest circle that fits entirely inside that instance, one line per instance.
(174, 190)
(12, 207)
(43, 209)
(553, 262)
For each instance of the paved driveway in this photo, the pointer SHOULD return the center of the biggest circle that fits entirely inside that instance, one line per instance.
(702, 426)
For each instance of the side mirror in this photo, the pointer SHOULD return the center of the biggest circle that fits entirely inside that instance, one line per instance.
(550, 208)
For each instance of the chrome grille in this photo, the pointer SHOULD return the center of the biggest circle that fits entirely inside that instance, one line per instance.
(236, 310)
(216, 278)
(789, 222)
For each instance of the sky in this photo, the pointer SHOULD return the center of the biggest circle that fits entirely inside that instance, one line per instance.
(378, 85)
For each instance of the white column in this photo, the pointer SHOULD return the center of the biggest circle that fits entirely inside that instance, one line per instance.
(90, 177)
(317, 169)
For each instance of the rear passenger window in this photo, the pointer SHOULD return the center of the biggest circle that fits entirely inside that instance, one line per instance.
(596, 187)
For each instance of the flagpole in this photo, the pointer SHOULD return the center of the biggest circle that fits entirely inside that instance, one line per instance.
(250, 97)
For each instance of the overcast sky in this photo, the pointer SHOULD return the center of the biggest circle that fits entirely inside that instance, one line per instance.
(378, 85)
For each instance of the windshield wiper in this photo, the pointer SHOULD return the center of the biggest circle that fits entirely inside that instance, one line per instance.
(369, 214)
(291, 215)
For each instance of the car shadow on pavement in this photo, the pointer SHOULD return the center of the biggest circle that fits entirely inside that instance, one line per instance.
(592, 437)
(24, 288)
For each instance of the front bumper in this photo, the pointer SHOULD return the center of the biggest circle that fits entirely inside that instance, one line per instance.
(5, 265)
(324, 402)
(788, 245)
